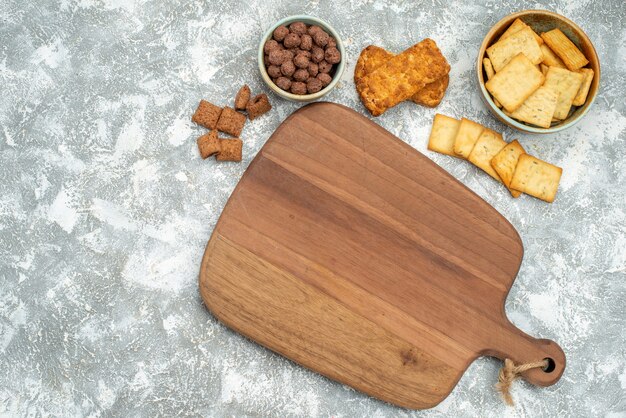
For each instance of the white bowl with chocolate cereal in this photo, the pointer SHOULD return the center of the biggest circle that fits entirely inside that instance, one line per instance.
(301, 58)
(537, 71)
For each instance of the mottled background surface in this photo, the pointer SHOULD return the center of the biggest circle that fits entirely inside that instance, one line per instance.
(105, 209)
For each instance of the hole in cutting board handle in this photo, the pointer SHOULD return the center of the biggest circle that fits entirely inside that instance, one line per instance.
(551, 365)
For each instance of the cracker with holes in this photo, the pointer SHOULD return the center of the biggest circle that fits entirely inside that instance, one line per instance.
(442, 135)
(564, 49)
(466, 137)
(207, 114)
(230, 149)
(539, 108)
(521, 42)
(566, 83)
(536, 178)
(514, 83)
(505, 161)
(231, 122)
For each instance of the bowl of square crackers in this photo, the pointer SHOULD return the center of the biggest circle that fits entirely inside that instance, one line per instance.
(538, 72)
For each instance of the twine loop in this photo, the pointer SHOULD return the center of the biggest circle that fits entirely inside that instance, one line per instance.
(509, 372)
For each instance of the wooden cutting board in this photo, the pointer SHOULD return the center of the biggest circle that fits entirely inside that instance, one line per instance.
(349, 252)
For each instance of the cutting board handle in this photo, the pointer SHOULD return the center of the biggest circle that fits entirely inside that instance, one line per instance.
(522, 348)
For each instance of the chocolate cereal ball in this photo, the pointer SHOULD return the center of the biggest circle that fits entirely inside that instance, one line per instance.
(332, 55)
(301, 61)
(292, 40)
(287, 68)
(317, 54)
(312, 29)
(270, 45)
(298, 87)
(313, 69)
(301, 75)
(313, 85)
(300, 57)
(324, 78)
(321, 38)
(303, 52)
(289, 54)
(306, 42)
(277, 57)
(274, 71)
(283, 82)
(298, 28)
(280, 33)
(324, 67)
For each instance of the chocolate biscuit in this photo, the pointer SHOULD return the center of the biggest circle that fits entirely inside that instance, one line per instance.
(231, 122)
(259, 105)
(230, 150)
(209, 144)
(242, 98)
(207, 114)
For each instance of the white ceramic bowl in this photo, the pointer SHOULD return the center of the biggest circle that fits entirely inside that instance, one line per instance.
(339, 69)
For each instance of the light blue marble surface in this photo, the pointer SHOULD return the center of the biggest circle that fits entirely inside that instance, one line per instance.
(105, 209)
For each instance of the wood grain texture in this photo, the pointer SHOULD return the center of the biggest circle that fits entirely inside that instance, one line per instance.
(351, 253)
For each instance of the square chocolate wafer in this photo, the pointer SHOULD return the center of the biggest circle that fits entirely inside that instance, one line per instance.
(231, 122)
(209, 144)
(230, 150)
(257, 106)
(207, 114)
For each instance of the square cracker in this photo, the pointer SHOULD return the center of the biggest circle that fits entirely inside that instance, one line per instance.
(488, 68)
(550, 58)
(516, 26)
(564, 49)
(442, 134)
(401, 76)
(487, 146)
(581, 96)
(566, 83)
(490, 73)
(515, 82)
(466, 137)
(536, 177)
(539, 108)
(505, 50)
(373, 57)
(505, 161)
